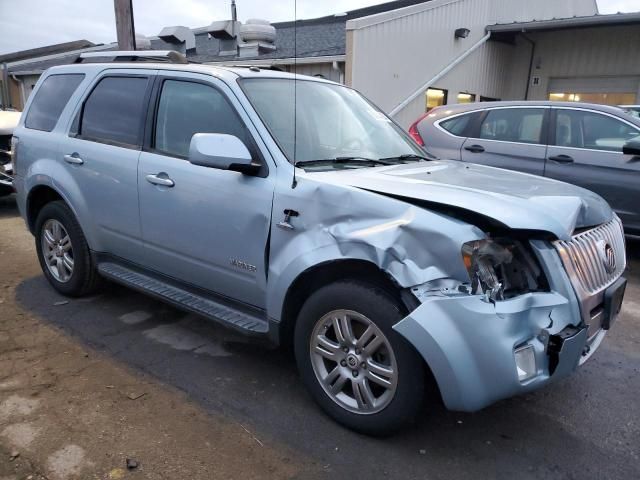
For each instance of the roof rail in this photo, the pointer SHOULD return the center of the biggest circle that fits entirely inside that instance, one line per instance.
(169, 56)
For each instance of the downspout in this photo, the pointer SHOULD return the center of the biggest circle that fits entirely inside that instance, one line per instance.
(533, 51)
(336, 66)
(441, 74)
(22, 94)
(4, 94)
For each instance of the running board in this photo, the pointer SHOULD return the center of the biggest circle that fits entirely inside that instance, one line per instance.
(179, 297)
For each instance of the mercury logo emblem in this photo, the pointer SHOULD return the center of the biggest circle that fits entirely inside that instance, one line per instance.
(607, 255)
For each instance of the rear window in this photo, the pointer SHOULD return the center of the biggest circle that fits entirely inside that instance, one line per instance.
(457, 125)
(114, 111)
(50, 99)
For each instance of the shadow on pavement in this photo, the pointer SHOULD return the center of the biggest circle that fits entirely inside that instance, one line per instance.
(8, 207)
(565, 430)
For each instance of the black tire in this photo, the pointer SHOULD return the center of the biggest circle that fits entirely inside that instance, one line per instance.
(380, 308)
(84, 278)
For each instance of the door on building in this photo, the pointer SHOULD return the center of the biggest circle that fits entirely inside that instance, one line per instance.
(586, 149)
(509, 137)
(200, 225)
(622, 90)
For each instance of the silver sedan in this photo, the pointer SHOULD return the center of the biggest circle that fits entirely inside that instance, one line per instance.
(594, 146)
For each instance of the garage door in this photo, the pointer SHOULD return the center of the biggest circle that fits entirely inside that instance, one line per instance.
(606, 90)
(595, 84)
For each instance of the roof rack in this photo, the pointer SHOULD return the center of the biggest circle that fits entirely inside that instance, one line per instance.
(168, 56)
(254, 68)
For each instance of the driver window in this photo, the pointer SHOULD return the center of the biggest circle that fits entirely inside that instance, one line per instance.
(582, 129)
(187, 108)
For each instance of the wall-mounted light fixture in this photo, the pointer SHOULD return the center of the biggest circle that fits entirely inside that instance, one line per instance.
(462, 32)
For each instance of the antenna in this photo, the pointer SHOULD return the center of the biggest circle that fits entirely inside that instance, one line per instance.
(294, 182)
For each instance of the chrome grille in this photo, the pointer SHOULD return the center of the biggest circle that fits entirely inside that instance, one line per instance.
(595, 258)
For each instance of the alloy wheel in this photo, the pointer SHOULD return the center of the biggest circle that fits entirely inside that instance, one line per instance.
(57, 250)
(353, 361)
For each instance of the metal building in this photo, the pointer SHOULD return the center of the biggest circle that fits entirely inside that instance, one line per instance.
(454, 51)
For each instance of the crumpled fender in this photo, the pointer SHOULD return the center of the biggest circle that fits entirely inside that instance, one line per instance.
(335, 222)
(468, 343)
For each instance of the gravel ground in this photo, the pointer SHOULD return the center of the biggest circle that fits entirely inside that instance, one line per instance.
(86, 384)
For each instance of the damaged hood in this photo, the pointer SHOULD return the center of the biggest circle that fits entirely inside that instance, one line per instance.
(517, 200)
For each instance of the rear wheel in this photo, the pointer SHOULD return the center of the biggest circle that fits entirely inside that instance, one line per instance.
(358, 369)
(63, 251)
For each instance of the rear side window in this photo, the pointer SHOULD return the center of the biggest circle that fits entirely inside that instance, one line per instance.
(457, 125)
(187, 108)
(115, 110)
(50, 99)
(523, 125)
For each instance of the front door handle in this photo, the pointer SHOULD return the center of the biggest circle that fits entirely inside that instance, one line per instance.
(475, 148)
(73, 159)
(561, 158)
(158, 180)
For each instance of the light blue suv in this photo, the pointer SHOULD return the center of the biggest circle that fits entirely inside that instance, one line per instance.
(383, 268)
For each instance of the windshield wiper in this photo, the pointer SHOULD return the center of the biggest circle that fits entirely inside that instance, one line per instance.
(406, 156)
(354, 159)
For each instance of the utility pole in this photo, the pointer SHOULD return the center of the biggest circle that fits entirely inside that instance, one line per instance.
(124, 24)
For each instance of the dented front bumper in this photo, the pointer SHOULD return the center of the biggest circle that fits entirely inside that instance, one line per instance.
(470, 344)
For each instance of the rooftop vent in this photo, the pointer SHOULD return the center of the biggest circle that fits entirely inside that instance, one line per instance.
(142, 42)
(256, 36)
(182, 37)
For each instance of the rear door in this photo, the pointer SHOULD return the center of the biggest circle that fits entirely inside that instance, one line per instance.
(445, 137)
(204, 226)
(102, 153)
(509, 137)
(586, 150)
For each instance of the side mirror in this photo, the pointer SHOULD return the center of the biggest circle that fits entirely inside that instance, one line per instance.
(632, 147)
(225, 152)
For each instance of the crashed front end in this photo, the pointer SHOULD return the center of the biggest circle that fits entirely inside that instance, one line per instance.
(530, 313)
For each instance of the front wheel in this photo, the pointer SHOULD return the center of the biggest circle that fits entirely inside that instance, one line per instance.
(358, 369)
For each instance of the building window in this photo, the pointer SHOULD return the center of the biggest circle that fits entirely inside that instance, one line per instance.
(466, 97)
(602, 98)
(488, 99)
(435, 97)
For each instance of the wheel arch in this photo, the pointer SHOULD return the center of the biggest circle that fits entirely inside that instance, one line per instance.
(328, 272)
(37, 198)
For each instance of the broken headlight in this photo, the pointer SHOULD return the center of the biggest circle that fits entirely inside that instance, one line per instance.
(501, 268)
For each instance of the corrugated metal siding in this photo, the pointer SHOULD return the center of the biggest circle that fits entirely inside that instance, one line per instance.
(392, 57)
(590, 52)
(324, 69)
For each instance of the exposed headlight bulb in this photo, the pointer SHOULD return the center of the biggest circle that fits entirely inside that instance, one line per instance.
(482, 257)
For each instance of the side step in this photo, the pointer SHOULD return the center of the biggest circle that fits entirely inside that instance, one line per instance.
(243, 321)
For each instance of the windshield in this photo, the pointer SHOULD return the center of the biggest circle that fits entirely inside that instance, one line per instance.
(332, 121)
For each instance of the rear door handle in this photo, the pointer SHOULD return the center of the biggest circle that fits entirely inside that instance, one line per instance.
(475, 148)
(157, 180)
(73, 159)
(561, 158)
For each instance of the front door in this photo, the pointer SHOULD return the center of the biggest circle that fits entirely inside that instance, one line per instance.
(586, 150)
(201, 225)
(511, 138)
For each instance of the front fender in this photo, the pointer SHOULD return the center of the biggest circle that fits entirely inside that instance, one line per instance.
(411, 244)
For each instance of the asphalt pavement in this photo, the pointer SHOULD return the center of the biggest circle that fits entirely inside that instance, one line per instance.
(585, 427)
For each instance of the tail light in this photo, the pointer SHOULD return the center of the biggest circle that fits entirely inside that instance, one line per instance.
(415, 134)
